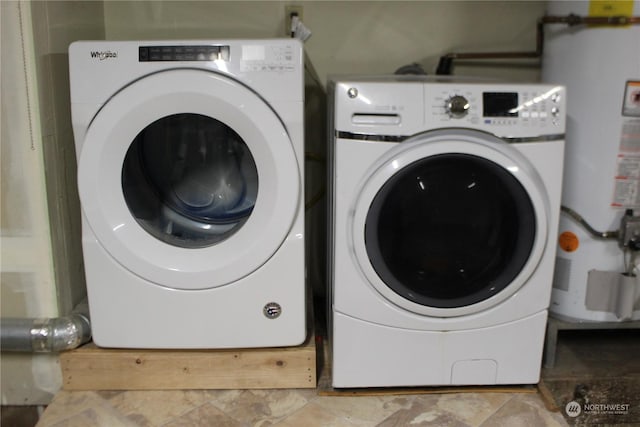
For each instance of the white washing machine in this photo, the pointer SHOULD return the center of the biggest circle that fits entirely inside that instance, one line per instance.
(446, 197)
(190, 166)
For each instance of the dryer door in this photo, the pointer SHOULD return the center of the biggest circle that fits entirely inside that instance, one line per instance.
(450, 223)
(189, 179)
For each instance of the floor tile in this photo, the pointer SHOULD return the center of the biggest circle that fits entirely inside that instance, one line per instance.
(314, 415)
(206, 415)
(362, 410)
(524, 411)
(259, 407)
(84, 408)
(96, 416)
(285, 408)
(472, 408)
(423, 411)
(155, 408)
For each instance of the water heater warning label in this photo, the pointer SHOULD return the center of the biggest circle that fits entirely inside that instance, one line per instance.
(631, 106)
(611, 8)
(626, 193)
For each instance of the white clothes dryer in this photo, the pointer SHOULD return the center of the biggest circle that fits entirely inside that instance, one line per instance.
(190, 165)
(446, 197)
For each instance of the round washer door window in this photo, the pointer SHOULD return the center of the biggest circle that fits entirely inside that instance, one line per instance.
(450, 224)
(189, 179)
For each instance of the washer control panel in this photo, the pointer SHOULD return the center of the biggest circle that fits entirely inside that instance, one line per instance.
(457, 106)
(391, 108)
(496, 106)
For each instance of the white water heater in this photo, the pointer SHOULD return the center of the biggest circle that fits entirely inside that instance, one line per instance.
(596, 278)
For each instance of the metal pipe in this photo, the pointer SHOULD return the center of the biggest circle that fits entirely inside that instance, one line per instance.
(445, 64)
(573, 19)
(595, 233)
(46, 335)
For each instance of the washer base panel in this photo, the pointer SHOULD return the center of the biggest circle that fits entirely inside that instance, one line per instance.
(370, 355)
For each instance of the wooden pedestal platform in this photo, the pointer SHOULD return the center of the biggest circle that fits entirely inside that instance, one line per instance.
(93, 368)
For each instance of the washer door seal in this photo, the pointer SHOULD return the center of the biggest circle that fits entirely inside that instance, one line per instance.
(450, 223)
(450, 230)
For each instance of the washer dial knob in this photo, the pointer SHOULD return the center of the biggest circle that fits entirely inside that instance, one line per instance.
(457, 106)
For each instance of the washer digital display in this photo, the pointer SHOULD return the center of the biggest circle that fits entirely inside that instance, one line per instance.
(500, 104)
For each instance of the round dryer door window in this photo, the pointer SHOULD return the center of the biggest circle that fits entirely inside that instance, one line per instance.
(189, 179)
(451, 224)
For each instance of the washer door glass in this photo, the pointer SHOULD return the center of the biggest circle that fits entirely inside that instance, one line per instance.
(190, 180)
(450, 230)
(450, 222)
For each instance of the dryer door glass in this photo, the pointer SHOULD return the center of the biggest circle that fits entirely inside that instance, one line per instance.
(189, 180)
(450, 230)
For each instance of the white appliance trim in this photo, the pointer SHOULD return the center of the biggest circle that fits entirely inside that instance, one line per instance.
(206, 93)
(451, 141)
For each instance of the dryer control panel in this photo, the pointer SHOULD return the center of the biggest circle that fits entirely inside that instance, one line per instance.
(164, 53)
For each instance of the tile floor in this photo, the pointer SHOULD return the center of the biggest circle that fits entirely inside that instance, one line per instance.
(578, 362)
(520, 406)
(295, 408)
(584, 358)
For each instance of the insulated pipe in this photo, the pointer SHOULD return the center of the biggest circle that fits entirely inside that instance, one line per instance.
(45, 335)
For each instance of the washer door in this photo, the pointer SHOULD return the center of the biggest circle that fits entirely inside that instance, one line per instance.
(189, 179)
(450, 223)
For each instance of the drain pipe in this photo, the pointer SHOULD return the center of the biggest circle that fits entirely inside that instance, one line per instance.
(46, 335)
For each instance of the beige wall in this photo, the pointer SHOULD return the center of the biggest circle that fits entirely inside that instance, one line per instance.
(41, 273)
(26, 276)
(56, 25)
(350, 36)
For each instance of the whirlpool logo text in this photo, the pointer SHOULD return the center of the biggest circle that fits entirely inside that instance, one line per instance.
(107, 54)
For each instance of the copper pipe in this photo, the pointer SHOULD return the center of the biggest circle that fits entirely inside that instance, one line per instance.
(572, 20)
(446, 62)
